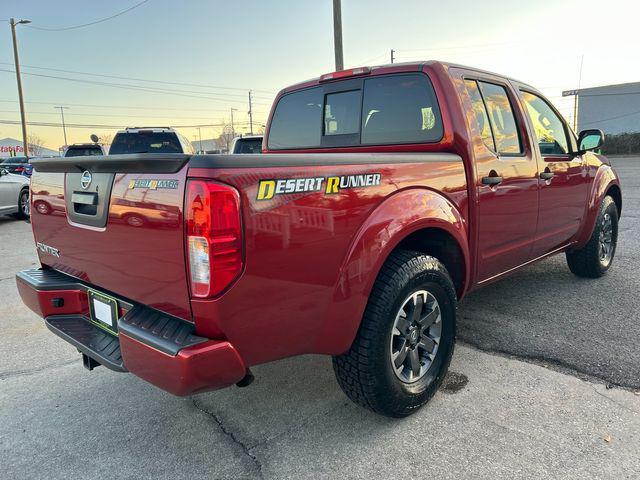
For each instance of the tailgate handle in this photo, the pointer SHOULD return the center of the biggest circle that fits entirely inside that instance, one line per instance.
(85, 198)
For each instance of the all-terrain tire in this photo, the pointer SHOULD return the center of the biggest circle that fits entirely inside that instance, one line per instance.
(366, 373)
(589, 261)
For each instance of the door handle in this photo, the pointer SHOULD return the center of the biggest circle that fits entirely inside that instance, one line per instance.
(546, 175)
(492, 179)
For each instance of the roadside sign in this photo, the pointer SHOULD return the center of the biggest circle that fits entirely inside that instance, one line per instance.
(568, 93)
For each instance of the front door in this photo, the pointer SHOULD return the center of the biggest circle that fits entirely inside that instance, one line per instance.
(564, 177)
(506, 176)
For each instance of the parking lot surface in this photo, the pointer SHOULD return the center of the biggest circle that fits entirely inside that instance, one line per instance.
(497, 416)
(544, 312)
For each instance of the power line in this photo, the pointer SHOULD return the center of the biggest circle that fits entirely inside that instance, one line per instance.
(90, 23)
(81, 125)
(182, 93)
(200, 85)
(112, 115)
(460, 47)
(128, 107)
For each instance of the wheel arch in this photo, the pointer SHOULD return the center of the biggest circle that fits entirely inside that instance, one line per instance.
(415, 218)
(605, 183)
(615, 193)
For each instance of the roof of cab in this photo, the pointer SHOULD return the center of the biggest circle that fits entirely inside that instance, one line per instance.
(400, 67)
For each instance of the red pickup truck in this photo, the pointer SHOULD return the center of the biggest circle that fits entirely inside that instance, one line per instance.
(382, 196)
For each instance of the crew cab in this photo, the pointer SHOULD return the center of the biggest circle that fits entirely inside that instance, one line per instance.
(383, 195)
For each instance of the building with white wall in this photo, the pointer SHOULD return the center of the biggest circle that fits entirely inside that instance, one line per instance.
(613, 109)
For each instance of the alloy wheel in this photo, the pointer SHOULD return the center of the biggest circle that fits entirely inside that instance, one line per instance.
(416, 336)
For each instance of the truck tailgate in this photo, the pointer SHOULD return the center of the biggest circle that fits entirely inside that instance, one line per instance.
(115, 222)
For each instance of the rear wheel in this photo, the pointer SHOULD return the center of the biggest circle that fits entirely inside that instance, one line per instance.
(596, 257)
(405, 342)
(23, 205)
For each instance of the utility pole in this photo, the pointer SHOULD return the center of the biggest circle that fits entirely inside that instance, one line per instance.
(250, 115)
(392, 52)
(200, 139)
(233, 131)
(64, 129)
(337, 34)
(23, 118)
(575, 98)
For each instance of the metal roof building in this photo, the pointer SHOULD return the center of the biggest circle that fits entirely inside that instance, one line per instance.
(613, 108)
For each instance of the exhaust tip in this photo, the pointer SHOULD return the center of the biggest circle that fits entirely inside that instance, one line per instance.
(246, 380)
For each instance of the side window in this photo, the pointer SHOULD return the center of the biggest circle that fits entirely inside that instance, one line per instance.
(549, 128)
(480, 113)
(297, 120)
(342, 113)
(400, 109)
(503, 122)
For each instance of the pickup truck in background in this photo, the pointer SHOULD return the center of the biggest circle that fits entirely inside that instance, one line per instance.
(247, 144)
(85, 149)
(382, 196)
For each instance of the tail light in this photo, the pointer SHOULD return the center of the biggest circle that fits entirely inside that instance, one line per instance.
(214, 237)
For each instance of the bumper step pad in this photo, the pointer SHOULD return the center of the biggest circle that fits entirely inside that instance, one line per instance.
(158, 330)
(89, 339)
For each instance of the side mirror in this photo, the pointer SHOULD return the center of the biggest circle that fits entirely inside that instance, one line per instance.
(589, 140)
(3, 171)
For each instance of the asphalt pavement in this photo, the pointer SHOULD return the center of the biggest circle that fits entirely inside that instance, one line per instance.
(545, 313)
(532, 392)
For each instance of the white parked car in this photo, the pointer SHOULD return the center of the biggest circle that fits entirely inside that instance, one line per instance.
(14, 194)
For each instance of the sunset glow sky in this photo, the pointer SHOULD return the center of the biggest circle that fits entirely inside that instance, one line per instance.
(210, 53)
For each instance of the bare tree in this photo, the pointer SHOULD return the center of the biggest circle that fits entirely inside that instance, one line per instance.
(106, 139)
(35, 145)
(226, 138)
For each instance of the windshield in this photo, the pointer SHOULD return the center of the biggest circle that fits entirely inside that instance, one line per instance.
(145, 142)
(248, 145)
(83, 151)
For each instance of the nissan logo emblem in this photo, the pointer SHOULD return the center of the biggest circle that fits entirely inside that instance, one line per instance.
(85, 180)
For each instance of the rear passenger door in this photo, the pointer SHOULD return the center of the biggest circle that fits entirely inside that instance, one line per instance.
(564, 179)
(506, 177)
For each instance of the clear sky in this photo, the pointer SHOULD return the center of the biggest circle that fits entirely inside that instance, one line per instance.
(213, 52)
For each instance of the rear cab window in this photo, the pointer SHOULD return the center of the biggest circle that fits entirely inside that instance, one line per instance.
(145, 141)
(83, 151)
(378, 110)
(248, 145)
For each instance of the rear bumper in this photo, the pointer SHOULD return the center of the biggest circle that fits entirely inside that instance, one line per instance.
(159, 348)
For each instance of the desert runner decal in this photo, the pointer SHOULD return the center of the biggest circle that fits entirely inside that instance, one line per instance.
(152, 184)
(267, 189)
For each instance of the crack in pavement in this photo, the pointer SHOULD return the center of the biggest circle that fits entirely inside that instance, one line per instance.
(229, 434)
(555, 364)
(614, 401)
(32, 371)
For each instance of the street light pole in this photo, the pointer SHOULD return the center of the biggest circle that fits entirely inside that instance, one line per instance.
(233, 131)
(337, 34)
(64, 128)
(200, 139)
(23, 118)
(250, 115)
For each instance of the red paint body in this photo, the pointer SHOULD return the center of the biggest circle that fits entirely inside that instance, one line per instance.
(310, 259)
